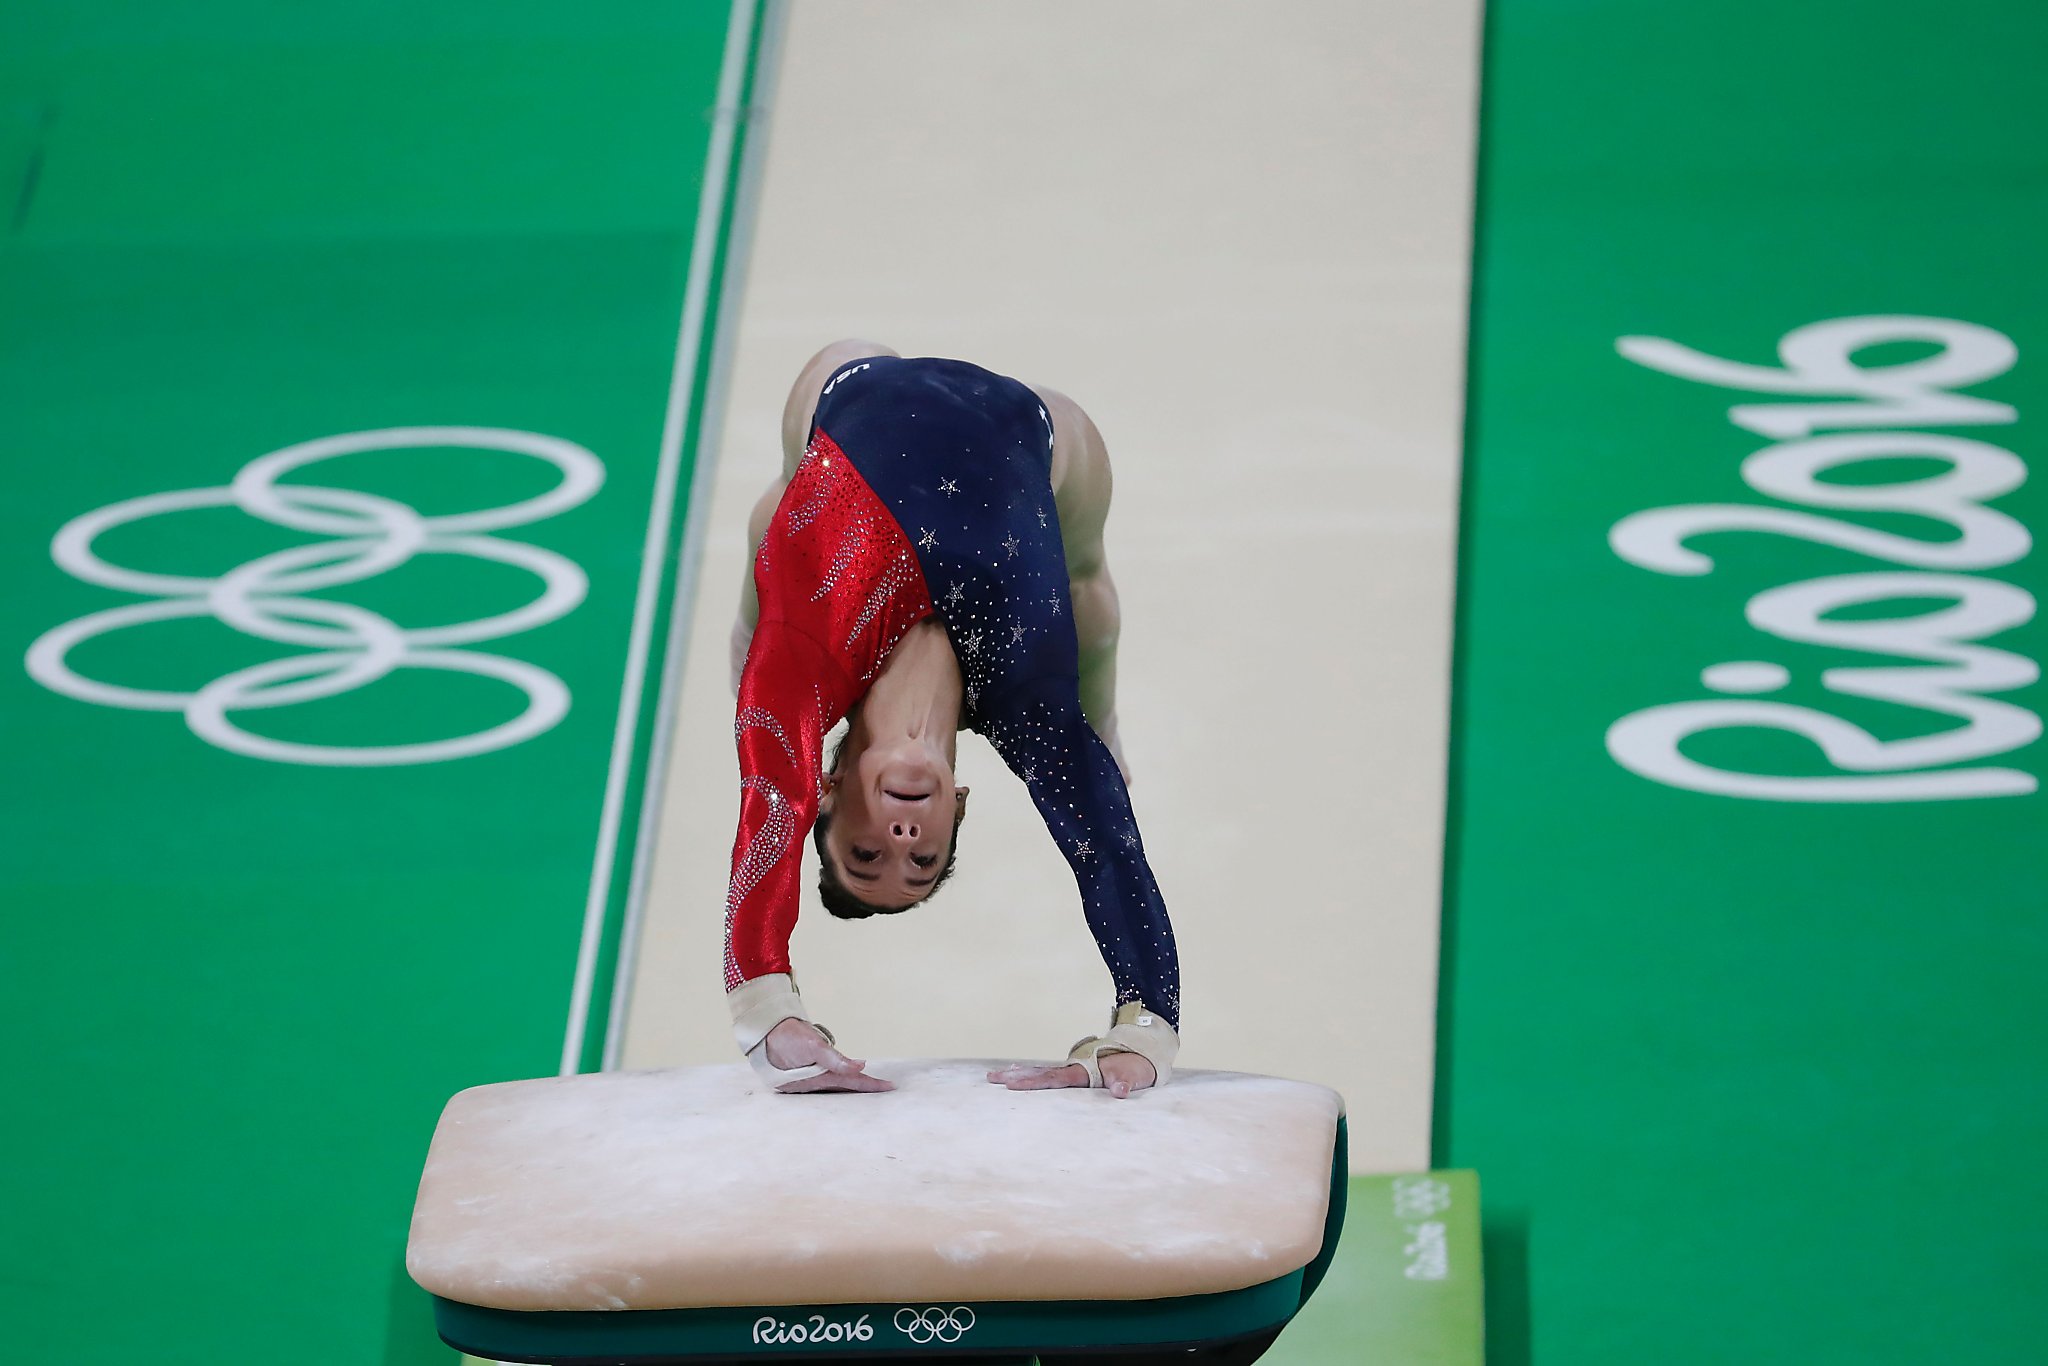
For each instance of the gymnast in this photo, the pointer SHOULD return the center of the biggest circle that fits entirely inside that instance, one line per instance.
(931, 558)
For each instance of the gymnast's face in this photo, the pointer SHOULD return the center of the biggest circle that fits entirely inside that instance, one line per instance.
(892, 814)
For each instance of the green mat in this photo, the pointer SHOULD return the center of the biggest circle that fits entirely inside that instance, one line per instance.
(1746, 1041)
(249, 946)
(1405, 1286)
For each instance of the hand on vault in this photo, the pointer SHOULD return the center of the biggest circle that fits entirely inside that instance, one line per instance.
(1122, 1073)
(794, 1043)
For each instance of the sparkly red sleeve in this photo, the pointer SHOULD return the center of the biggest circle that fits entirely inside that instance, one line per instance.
(838, 582)
(779, 728)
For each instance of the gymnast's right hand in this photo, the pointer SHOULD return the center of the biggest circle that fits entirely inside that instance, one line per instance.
(793, 1043)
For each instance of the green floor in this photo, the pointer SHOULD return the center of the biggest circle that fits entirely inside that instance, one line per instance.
(1405, 1286)
(1748, 1079)
(241, 987)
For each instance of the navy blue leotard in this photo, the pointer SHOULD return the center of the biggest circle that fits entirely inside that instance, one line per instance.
(962, 460)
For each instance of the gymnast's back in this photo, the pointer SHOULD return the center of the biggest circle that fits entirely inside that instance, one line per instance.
(962, 459)
(913, 422)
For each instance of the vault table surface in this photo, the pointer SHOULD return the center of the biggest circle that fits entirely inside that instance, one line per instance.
(696, 1187)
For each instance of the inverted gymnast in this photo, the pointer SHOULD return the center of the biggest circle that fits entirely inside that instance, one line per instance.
(931, 559)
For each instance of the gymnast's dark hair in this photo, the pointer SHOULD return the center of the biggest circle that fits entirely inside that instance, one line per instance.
(843, 903)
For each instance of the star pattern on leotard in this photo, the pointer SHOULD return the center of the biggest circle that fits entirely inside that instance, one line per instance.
(970, 490)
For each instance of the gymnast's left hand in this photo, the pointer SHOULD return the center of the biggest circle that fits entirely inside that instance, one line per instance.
(1122, 1073)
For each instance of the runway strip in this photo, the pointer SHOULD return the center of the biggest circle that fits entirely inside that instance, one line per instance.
(263, 916)
(1744, 1037)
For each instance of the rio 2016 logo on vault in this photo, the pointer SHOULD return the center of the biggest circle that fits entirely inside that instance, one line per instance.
(919, 1325)
(1934, 662)
(340, 647)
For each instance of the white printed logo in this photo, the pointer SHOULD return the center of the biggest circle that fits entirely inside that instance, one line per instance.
(847, 373)
(931, 1325)
(1428, 1251)
(1418, 1197)
(344, 647)
(817, 1328)
(1952, 673)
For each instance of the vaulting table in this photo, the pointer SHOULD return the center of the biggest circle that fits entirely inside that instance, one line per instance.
(690, 1215)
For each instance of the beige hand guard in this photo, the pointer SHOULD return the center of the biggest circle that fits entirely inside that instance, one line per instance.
(757, 1007)
(1135, 1029)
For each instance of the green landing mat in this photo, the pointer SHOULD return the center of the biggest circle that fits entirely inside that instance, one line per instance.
(1748, 911)
(1405, 1286)
(348, 434)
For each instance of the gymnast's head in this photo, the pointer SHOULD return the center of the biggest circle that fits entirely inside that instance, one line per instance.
(888, 825)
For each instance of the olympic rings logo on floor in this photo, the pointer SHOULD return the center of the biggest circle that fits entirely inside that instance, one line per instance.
(346, 647)
(928, 1325)
(1418, 1197)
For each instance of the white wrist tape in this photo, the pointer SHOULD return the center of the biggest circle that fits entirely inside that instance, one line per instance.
(758, 1006)
(1136, 1028)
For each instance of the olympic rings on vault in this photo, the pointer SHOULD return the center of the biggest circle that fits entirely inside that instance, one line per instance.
(934, 1324)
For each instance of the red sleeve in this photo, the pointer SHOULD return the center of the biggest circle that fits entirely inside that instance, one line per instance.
(837, 582)
(784, 712)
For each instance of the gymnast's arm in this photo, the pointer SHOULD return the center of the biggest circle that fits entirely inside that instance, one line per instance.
(797, 411)
(1074, 782)
(790, 691)
(778, 729)
(1081, 492)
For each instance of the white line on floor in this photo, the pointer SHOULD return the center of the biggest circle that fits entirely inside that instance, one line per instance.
(696, 297)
